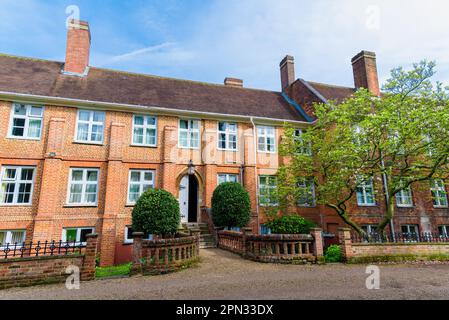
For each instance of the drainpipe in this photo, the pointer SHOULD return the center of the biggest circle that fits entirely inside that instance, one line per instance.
(255, 172)
(387, 198)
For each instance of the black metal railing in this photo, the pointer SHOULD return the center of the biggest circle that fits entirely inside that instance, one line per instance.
(40, 248)
(399, 237)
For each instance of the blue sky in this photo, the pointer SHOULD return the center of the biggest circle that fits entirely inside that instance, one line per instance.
(208, 40)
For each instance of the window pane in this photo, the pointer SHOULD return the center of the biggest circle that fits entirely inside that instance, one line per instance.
(183, 142)
(221, 126)
(70, 235)
(148, 176)
(34, 128)
(151, 136)
(84, 115)
(97, 133)
(98, 117)
(151, 121)
(135, 176)
(84, 233)
(92, 175)
(183, 124)
(2, 238)
(36, 111)
(77, 175)
(138, 120)
(17, 236)
(91, 188)
(138, 136)
(194, 124)
(27, 175)
(83, 132)
(10, 174)
(91, 198)
(20, 110)
(232, 178)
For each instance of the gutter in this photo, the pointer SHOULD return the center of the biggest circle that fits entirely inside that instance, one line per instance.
(69, 102)
(297, 107)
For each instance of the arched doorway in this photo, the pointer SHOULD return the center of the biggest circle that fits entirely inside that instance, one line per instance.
(188, 199)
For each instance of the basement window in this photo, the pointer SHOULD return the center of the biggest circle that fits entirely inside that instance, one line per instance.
(12, 237)
(129, 235)
(76, 234)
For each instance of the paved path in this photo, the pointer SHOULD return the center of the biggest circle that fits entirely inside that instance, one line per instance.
(222, 275)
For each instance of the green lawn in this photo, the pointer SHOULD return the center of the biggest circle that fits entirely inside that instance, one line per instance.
(121, 270)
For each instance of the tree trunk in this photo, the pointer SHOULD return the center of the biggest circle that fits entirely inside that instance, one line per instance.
(388, 216)
(343, 214)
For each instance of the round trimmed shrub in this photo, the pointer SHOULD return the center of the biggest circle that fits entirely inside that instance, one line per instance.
(231, 206)
(333, 254)
(156, 212)
(290, 224)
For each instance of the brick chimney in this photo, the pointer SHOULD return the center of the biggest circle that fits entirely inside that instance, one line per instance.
(78, 47)
(365, 72)
(287, 72)
(233, 82)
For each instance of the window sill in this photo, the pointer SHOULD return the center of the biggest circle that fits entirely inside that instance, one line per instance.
(188, 148)
(267, 152)
(441, 207)
(23, 138)
(80, 206)
(405, 206)
(130, 205)
(366, 205)
(98, 144)
(227, 150)
(25, 205)
(143, 146)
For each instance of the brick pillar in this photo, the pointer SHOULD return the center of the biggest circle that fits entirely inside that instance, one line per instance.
(137, 253)
(344, 234)
(88, 269)
(318, 241)
(168, 176)
(51, 182)
(196, 233)
(113, 204)
(245, 232)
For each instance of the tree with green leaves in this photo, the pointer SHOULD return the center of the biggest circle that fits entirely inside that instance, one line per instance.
(400, 139)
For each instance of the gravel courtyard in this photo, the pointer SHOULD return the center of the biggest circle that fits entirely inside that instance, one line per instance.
(222, 275)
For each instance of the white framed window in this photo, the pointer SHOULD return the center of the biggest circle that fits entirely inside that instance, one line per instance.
(365, 193)
(404, 198)
(439, 194)
(189, 134)
(76, 234)
(410, 229)
(144, 130)
(16, 185)
(303, 148)
(83, 186)
(369, 228)
(139, 182)
(12, 237)
(267, 190)
(443, 230)
(306, 188)
(266, 139)
(227, 136)
(227, 177)
(90, 126)
(129, 235)
(26, 121)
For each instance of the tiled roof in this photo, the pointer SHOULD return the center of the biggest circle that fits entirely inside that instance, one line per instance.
(331, 92)
(44, 78)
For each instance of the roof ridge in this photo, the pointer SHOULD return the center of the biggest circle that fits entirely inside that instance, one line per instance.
(142, 74)
(181, 80)
(329, 85)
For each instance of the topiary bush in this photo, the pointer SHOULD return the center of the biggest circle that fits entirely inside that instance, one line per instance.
(333, 254)
(231, 206)
(290, 224)
(156, 212)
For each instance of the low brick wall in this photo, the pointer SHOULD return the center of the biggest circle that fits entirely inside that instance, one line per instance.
(164, 255)
(353, 251)
(275, 248)
(28, 271)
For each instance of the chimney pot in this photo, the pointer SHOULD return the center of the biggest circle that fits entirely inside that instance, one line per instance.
(233, 82)
(287, 66)
(78, 47)
(364, 66)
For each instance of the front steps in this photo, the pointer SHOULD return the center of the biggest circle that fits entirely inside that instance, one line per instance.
(206, 239)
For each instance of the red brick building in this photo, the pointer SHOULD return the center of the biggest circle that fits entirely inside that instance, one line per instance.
(79, 144)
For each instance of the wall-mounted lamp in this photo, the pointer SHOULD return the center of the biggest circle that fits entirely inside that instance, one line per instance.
(191, 167)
